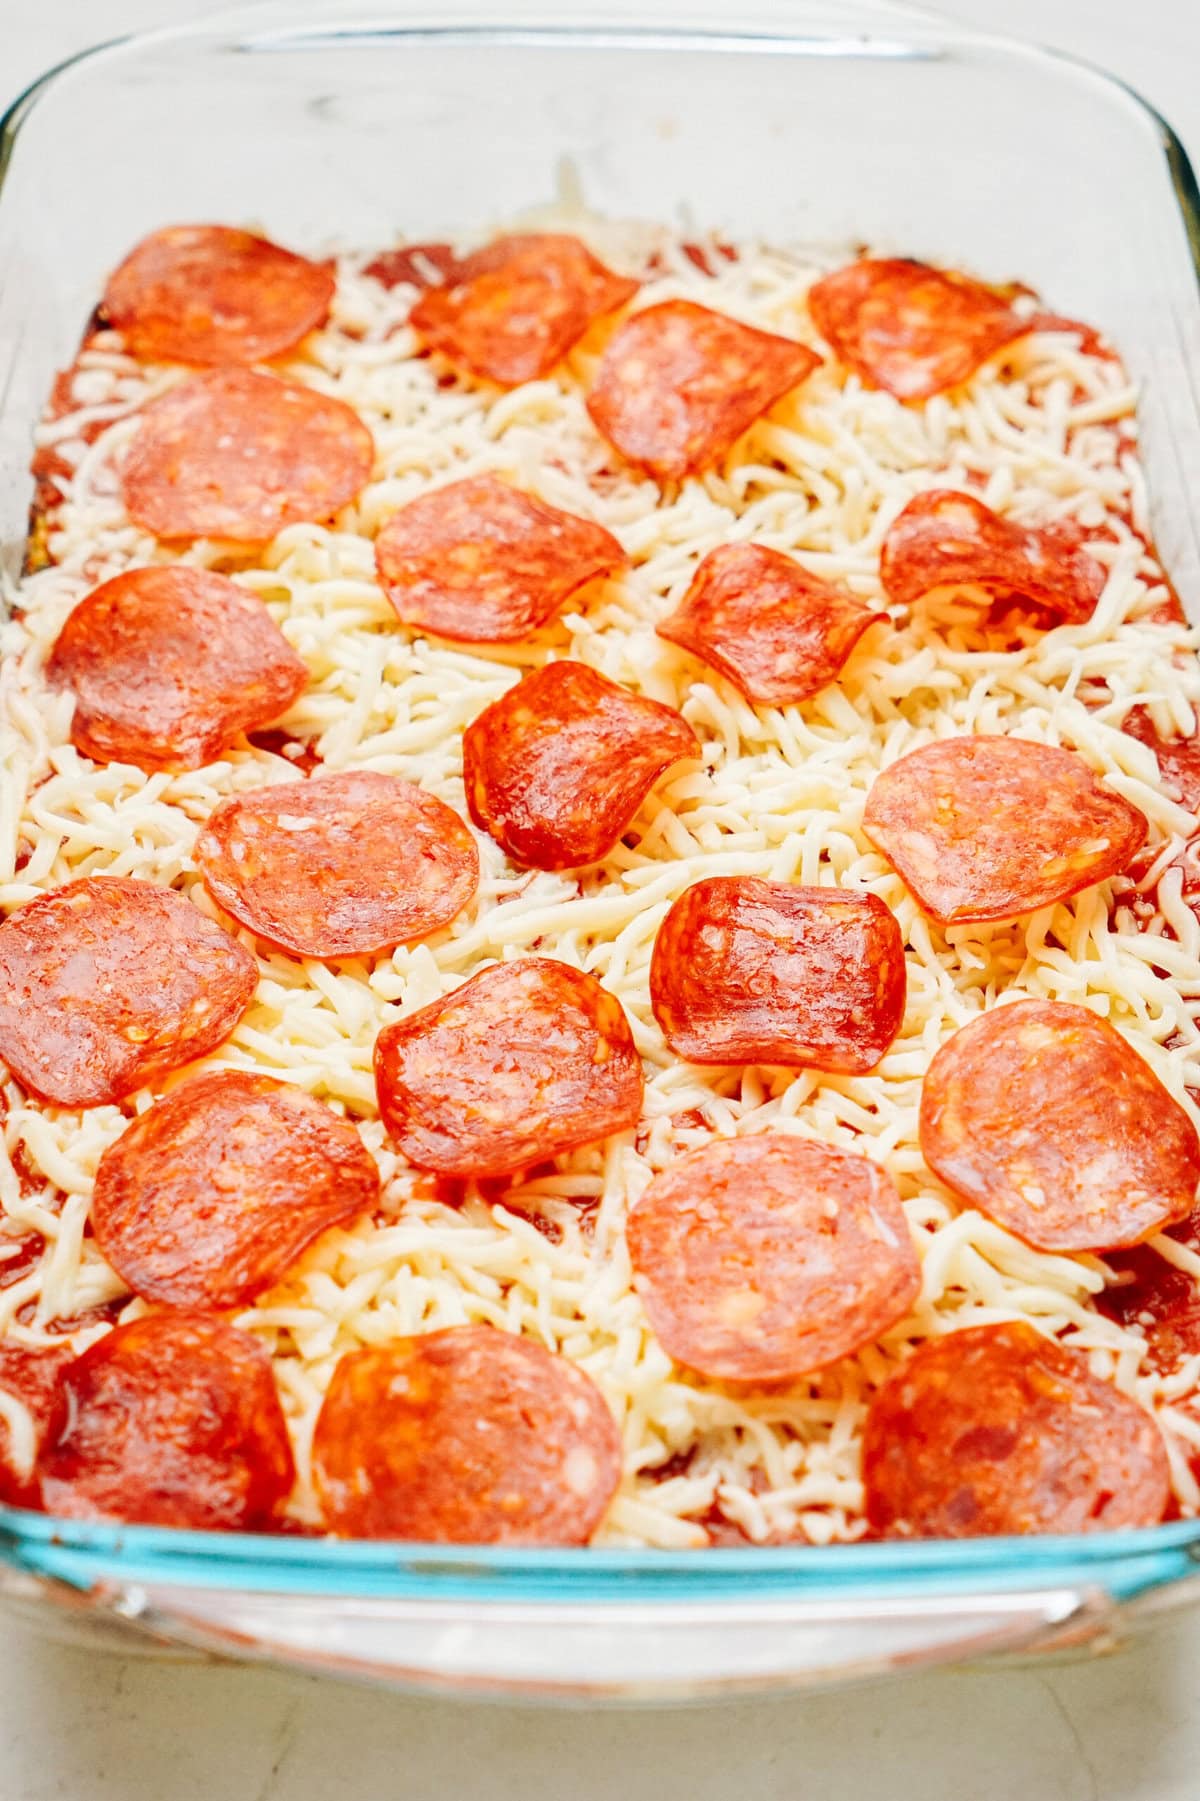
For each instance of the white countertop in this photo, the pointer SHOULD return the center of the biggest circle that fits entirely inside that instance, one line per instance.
(78, 1726)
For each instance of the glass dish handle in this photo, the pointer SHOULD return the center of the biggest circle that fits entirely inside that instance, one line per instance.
(568, 1650)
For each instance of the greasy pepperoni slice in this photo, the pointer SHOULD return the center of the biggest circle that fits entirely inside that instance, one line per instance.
(995, 1430)
(944, 540)
(30, 1377)
(679, 384)
(344, 865)
(909, 328)
(173, 1420)
(989, 828)
(760, 1259)
(239, 455)
(1045, 1118)
(514, 309)
(556, 769)
(524, 1061)
(169, 665)
(1178, 758)
(465, 1436)
(776, 631)
(745, 971)
(107, 984)
(211, 1195)
(211, 294)
(481, 562)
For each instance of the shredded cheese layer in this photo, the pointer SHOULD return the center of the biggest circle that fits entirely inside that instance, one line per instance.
(1045, 433)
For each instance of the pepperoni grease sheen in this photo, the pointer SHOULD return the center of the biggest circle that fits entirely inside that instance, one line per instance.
(466, 1436)
(169, 666)
(212, 294)
(107, 984)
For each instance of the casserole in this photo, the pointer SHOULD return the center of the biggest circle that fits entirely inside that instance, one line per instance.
(669, 124)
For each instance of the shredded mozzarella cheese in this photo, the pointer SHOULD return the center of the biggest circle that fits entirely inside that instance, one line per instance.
(1046, 433)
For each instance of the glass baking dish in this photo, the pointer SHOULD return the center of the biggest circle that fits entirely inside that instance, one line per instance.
(797, 121)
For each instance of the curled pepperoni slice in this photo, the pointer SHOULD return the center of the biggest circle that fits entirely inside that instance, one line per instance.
(556, 769)
(173, 1420)
(679, 384)
(345, 865)
(776, 631)
(30, 1376)
(994, 1430)
(944, 540)
(1043, 1117)
(107, 984)
(514, 309)
(524, 1061)
(481, 562)
(466, 1436)
(211, 294)
(211, 1195)
(761, 1259)
(990, 828)
(745, 971)
(239, 455)
(169, 665)
(909, 328)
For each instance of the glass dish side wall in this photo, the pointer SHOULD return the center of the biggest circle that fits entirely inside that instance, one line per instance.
(802, 124)
(865, 122)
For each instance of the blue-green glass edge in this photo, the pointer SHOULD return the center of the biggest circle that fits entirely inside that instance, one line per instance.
(87, 1554)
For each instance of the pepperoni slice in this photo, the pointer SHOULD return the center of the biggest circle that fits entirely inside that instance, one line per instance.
(679, 384)
(238, 455)
(524, 1061)
(557, 768)
(169, 665)
(989, 828)
(466, 1436)
(947, 541)
(31, 1377)
(1043, 1117)
(173, 1420)
(211, 1195)
(108, 984)
(211, 294)
(911, 329)
(345, 865)
(994, 1430)
(512, 311)
(761, 1259)
(745, 971)
(1178, 758)
(776, 631)
(483, 563)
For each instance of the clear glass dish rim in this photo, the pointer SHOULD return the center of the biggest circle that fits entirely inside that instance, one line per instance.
(1126, 1563)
